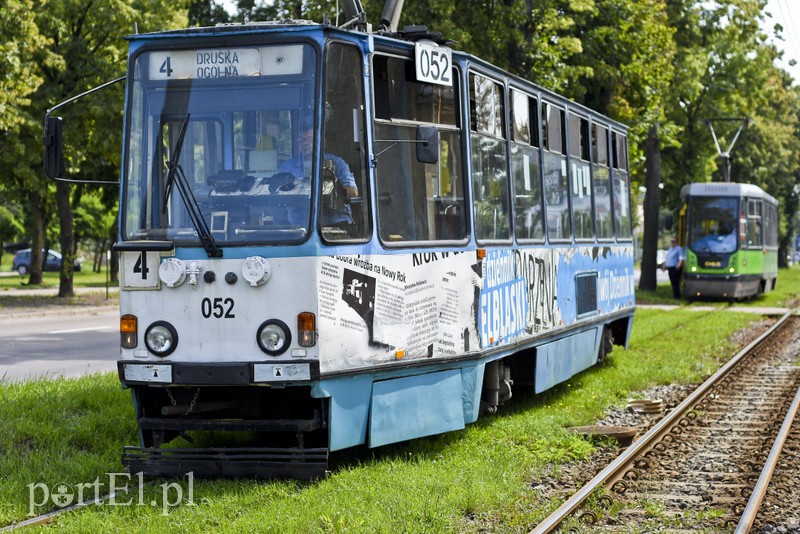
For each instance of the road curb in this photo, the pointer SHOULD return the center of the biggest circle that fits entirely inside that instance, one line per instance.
(48, 311)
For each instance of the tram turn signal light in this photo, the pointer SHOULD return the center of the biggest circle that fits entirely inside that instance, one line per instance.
(306, 329)
(127, 331)
(481, 252)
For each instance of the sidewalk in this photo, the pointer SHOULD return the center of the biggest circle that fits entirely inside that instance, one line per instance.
(729, 308)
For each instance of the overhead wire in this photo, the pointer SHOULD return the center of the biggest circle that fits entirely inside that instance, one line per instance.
(789, 21)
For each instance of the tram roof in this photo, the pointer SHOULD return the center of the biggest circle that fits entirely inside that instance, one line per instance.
(227, 28)
(391, 39)
(725, 189)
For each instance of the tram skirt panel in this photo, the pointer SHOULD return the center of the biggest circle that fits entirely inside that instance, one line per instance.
(416, 406)
(563, 358)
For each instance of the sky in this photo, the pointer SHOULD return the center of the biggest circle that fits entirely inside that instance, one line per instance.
(787, 14)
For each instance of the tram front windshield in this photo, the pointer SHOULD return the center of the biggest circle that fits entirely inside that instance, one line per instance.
(712, 224)
(220, 143)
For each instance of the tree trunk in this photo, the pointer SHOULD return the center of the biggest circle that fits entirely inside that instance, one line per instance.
(37, 239)
(790, 206)
(65, 287)
(652, 178)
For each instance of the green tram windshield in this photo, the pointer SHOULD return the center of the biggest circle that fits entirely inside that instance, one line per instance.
(712, 224)
(221, 138)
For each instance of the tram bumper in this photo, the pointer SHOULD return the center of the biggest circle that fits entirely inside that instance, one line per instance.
(731, 286)
(284, 426)
(237, 373)
(258, 462)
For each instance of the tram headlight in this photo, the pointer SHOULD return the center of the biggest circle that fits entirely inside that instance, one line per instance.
(161, 338)
(273, 337)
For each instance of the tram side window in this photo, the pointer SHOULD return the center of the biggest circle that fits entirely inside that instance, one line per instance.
(135, 209)
(581, 177)
(755, 236)
(416, 201)
(770, 225)
(556, 192)
(528, 213)
(344, 213)
(774, 225)
(488, 152)
(621, 188)
(601, 182)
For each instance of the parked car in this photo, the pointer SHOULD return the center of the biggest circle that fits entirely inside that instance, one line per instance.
(52, 262)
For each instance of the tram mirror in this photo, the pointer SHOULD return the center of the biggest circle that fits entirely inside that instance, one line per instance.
(53, 153)
(427, 144)
(668, 222)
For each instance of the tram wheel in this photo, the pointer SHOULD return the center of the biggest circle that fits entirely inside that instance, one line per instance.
(606, 344)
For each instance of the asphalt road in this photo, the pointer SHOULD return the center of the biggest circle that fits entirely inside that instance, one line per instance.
(58, 345)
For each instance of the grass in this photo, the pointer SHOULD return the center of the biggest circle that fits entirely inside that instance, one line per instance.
(16, 294)
(478, 479)
(83, 278)
(50, 280)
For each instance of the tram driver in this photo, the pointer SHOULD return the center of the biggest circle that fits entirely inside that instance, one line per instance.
(335, 214)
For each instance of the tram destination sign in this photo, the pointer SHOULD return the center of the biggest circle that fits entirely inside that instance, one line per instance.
(214, 63)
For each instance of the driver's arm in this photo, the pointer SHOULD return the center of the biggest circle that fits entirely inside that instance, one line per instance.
(343, 174)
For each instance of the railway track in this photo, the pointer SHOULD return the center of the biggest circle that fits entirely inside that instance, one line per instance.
(700, 467)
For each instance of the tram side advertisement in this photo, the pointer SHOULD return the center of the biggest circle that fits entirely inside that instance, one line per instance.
(378, 308)
(374, 309)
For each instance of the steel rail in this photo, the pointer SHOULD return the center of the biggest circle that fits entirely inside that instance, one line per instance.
(760, 490)
(45, 518)
(614, 470)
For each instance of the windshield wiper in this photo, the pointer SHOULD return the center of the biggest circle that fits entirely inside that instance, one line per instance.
(175, 175)
(172, 165)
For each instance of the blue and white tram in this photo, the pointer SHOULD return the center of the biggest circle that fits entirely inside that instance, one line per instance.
(334, 238)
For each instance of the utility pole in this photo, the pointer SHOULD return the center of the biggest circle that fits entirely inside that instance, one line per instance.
(725, 157)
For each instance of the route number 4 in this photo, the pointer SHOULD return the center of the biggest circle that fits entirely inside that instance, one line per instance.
(166, 67)
(139, 269)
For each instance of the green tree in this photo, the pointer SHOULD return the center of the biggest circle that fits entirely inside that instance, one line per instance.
(10, 227)
(94, 223)
(768, 154)
(627, 55)
(722, 68)
(207, 13)
(535, 40)
(718, 74)
(18, 77)
(84, 48)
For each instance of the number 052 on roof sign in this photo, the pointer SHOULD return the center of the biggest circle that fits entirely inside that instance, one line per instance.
(434, 64)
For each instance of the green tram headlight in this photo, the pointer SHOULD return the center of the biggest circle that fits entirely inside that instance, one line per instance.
(161, 338)
(274, 337)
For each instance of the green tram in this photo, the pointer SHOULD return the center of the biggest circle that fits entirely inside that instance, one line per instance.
(729, 233)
